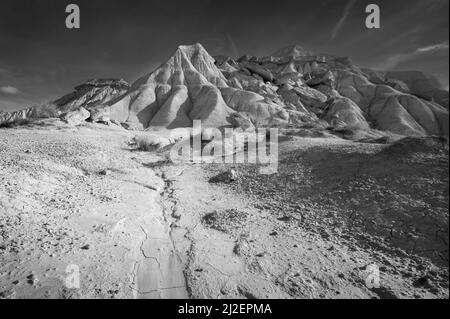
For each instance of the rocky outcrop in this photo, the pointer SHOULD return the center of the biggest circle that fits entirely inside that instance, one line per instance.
(93, 94)
(15, 117)
(76, 117)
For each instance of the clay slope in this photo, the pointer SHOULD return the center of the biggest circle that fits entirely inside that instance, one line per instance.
(188, 87)
(390, 109)
(183, 89)
(335, 90)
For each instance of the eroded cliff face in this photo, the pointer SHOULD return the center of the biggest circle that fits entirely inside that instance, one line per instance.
(291, 87)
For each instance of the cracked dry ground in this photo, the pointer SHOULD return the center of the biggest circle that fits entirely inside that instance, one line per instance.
(82, 197)
(138, 227)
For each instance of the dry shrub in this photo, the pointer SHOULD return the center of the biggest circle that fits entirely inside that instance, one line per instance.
(149, 143)
(17, 122)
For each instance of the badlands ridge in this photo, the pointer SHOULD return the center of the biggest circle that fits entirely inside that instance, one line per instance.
(289, 88)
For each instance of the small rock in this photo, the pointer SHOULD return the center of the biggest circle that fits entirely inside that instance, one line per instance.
(284, 219)
(232, 175)
(225, 177)
(31, 279)
(422, 282)
(86, 247)
(176, 214)
(104, 172)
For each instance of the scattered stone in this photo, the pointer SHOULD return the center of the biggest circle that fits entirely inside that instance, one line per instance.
(104, 172)
(284, 218)
(423, 282)
(225, 221)
(225, 177)
(176, 214)
(31, 279)
(232, 175)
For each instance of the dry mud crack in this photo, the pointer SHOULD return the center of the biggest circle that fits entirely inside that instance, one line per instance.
(160, 271)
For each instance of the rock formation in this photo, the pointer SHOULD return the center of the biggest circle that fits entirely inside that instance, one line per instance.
(289, 88)
(15, 117)
(76, 117)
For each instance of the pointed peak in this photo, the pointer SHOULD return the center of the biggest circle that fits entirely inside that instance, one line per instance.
(192, 49)
(190, 58)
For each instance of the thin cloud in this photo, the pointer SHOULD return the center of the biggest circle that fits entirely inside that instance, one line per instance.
(348, 8)
(9, 90)
(434, 48)
(396, 59)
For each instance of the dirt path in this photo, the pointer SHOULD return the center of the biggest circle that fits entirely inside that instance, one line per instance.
(159, 273)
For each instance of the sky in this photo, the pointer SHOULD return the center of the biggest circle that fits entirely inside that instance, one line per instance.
(41, 60)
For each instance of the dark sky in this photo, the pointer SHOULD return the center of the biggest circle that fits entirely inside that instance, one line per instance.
(41, 60)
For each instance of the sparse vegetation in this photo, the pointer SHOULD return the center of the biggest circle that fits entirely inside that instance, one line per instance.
(149, 143)
(16, 122)
(144, 143)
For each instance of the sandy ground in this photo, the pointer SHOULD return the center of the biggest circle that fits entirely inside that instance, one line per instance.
(138, 227)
